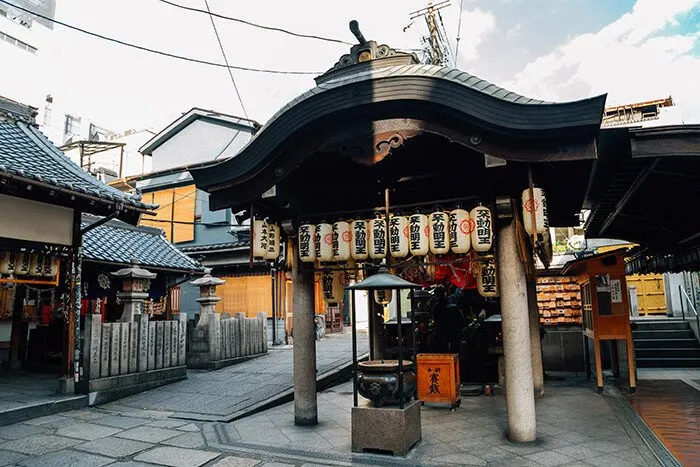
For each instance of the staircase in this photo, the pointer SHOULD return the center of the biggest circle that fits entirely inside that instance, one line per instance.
(665, 343)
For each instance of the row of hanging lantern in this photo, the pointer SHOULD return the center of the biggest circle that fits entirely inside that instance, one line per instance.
(439, 233)
(28, 264)
(266, 240)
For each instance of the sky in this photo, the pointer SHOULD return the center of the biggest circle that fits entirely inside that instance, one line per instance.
(556, 50)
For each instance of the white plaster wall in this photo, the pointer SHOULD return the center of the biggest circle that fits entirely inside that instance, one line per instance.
(200, 141)
(673, 298)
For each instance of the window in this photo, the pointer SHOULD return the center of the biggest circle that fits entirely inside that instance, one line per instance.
(71, 125)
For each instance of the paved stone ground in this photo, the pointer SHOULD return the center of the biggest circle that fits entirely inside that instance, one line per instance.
(576, 426)
(19, 389)
(231, 392)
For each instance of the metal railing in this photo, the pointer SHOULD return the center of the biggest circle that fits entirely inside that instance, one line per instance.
(691, 307)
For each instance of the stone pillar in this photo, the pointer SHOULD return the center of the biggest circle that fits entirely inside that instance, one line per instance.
(133, 291)
(304, 351)
(520, 397)
(535, 341)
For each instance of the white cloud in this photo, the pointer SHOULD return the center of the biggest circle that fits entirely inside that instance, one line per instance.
(477, 25)
(632, 59)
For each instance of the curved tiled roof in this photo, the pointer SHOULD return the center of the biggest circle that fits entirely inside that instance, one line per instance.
(27, 153)
(454, 93)
(118, 242)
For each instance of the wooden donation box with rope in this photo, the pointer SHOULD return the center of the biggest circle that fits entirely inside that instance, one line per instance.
(438, 378)
(605, 306)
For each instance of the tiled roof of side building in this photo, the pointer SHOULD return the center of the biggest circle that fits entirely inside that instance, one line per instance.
(118, 242)
(25, 152)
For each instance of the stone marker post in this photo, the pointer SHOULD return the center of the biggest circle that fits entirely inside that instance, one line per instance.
(133, 289)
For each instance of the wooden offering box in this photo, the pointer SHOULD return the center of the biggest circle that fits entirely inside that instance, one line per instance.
(438, 378)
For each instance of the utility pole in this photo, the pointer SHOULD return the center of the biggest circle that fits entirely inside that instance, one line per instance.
(436, 44)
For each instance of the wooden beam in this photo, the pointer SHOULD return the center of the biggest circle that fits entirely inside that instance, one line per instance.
(628, 195)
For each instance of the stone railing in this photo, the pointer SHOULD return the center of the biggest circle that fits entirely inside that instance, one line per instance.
(221, 340)
(127, 357)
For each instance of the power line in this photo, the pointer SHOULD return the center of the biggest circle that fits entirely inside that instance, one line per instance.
(459, 31)
(223, 52)
(160, 52)
(269, 28)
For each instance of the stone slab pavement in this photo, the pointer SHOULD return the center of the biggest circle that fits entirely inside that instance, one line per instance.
(235, 391)
(576, 426)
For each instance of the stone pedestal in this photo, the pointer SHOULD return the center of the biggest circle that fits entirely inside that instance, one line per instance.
(535, 341)
(304, 351)
(520, 397)
(387, 430)
(132, 303)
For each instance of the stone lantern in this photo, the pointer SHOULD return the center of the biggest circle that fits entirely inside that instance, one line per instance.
(133, 293)
(207, 295)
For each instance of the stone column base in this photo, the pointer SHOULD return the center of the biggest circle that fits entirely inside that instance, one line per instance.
(387, 429)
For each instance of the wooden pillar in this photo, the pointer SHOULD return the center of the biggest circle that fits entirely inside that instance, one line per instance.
(304, 350)
(18, 332)
(520, 397)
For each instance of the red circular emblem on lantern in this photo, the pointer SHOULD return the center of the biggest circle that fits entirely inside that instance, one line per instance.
(530, 203)
(405, 231)
(328, 238)
(347, 236)
(467, 226)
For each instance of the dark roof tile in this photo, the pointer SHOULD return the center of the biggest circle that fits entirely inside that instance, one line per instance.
(25, 151)
(119, 242)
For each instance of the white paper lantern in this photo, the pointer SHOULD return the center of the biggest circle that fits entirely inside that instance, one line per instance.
(332, 286)
(461, 226)
(398, 236)
(36, 265)
(482, 235)
(341, 241)
(7, 262)
(307, 243)
(22, 264)
(273, 242)
(259, 239)
(439, 233)
(487, 279)
(383, 296)
(418, 232)
(50, 266)
(539, 206)
(378, 241)
(324, 242)
(358, 247)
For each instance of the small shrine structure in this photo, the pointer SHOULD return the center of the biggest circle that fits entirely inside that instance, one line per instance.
(382, 136)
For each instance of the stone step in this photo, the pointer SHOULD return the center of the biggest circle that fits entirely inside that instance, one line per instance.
(668, 362)
(663, 334)
(659, 325)
(668, 353)
(665, 343)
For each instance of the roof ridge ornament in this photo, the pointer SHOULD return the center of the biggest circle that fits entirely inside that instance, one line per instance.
(367, 54)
